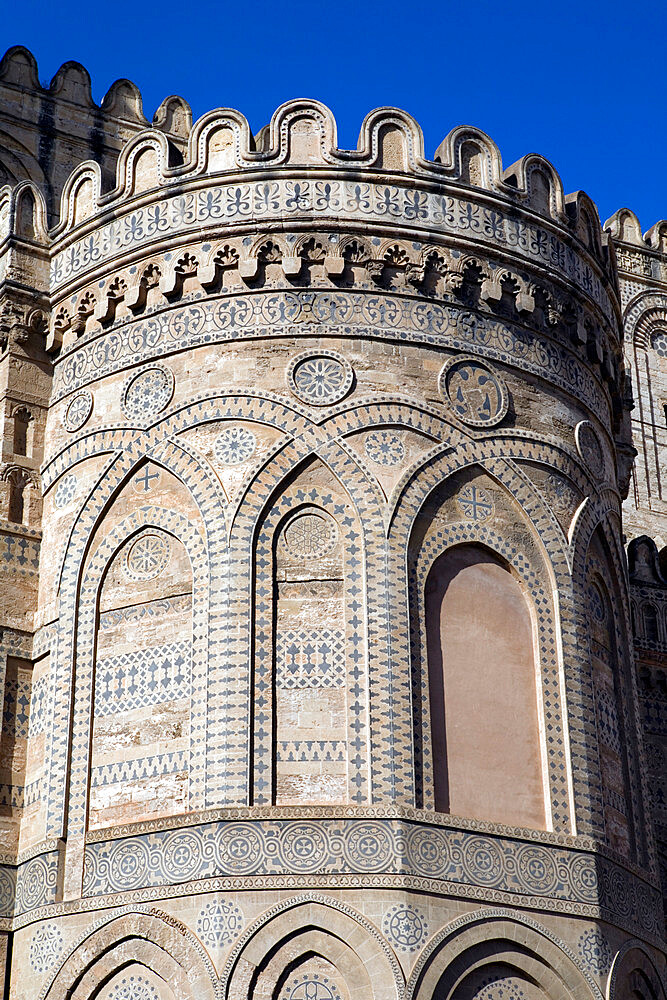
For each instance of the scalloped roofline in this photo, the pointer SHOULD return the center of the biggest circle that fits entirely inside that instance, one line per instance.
(302, 133)
(123, 100)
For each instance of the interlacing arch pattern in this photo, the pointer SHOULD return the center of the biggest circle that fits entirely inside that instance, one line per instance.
(304, 436)
(155, 939)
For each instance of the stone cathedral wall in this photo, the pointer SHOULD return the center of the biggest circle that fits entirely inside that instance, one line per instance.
(317, 638)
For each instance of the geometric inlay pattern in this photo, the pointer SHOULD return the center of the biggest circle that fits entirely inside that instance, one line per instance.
(589, 448)
(46, 945)
(143, 677)
(134, 988)
(78, 410)
(309, 987)
(595, 951)
(147, 557)
(659, 343)
(477, 395)
(322, 378)
(384, 448)
(405, 926)
(65, 491)
(309, 536)
(147, 392)
(235, 445)
(311, 658)
(476, 504)
(219, 923)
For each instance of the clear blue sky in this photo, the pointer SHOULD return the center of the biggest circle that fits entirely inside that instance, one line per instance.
(582, 83)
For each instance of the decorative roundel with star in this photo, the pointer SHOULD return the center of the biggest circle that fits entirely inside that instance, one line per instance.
(78, 410)
(147, 392)
(320, 378)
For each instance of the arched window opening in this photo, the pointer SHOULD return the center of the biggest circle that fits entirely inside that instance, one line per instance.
(650, 622)
(16, 502)
(483, 692)
(22, 418)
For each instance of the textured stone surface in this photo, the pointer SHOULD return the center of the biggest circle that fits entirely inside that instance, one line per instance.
(264, 733)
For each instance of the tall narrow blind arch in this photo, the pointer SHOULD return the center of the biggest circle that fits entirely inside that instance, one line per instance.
(483, 691)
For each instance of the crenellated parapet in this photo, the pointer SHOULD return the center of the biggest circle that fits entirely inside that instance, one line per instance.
(439, 237)
(46, 130)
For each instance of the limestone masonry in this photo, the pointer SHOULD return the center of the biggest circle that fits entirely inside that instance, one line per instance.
(333, 534)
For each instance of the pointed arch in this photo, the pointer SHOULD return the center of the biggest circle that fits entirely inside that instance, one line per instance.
(307, 924)
(457, 561)
(310, 668)
(76, 667)
(153, 941)
(513, 944)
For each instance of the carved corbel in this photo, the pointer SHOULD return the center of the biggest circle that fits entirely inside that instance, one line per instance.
(210, 274)
(525, 303)
(135, 296)
(60, 325)
(415, 274)
(105, 310)
(375, 270)
(334, 265)
(594, 348)
(292, 266)
(248, 269)
(84, 309)
(491, 290)
(171, 283)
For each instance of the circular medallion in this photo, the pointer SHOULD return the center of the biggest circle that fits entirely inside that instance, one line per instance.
(583, 878)
(147, 392)
(483, 861)
(303, 847)
(384, 448)
(310, 536)
(476, 504)
(147, 557)
(78, 410)
(46, 945)
(476, 394)
(241, 849)
(235, 445)
(596, 603)
(322, 379)
(589, 448)
(33, 883)
(129, 865)
(537, 870)
(309, 987)
(368, 847)
(182, 856)
(428, 852)
(219, 923)
(65, 491)
(133, 988)
(505, 988)
(405, 926)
